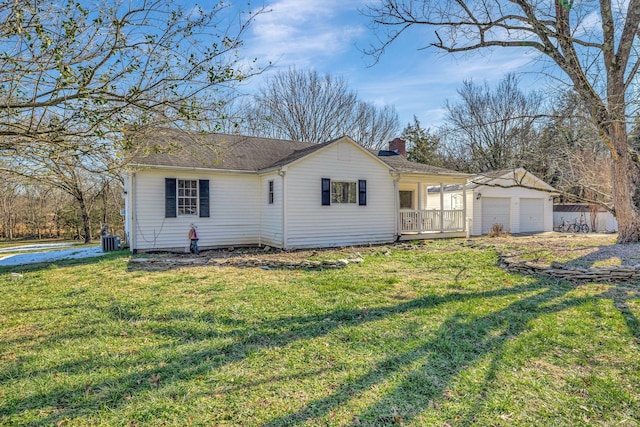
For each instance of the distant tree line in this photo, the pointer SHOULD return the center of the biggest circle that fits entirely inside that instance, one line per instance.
(37, 210)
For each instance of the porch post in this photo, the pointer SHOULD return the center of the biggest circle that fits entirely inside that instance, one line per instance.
(441, 207)
(419, 216)
(464, 207)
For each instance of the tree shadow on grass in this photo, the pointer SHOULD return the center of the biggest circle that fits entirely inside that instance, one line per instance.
(74, 401)
(460, 341)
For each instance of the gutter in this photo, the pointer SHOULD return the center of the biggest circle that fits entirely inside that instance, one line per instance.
(283, 172)
(133, 204)
(396, 202)
(195, 169)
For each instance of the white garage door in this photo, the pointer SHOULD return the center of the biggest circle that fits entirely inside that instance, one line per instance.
(531, 215)
(496, 210)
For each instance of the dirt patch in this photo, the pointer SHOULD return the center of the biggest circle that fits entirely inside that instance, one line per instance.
(259, 257)
(572, 250)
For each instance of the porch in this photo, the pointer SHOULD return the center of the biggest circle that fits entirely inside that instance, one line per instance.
(431, 210)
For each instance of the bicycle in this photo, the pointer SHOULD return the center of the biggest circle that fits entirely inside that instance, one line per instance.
(565, 226)
(581, 226)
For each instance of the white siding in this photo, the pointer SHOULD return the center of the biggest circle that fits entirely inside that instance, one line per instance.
(128, 194)
(271, 219)
(310, 224)
(234, 211)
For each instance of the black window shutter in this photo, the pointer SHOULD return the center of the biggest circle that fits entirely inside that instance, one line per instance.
(362, 192)
(326, 191)
(170, 200)
(204, 197)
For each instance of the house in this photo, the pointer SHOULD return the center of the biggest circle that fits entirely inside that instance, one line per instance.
(239, 190)
(514, 198)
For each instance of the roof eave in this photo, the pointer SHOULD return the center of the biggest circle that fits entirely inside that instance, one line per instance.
(191, 168)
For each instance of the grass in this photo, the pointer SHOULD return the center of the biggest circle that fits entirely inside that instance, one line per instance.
(436, 335)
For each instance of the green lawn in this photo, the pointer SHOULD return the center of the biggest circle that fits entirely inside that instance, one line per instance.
(436, 336)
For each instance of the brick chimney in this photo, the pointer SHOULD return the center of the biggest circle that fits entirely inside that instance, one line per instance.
(398, 145)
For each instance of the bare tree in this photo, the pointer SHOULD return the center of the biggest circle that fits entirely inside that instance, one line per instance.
(492, 128)
(599, 57)
(305, 106)
(9, 194)
(572, 155)
(80, 173)
(72, 69)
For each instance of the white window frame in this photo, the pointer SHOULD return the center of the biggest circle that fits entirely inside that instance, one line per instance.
(456, 202)
(187, 202)
(271, 189)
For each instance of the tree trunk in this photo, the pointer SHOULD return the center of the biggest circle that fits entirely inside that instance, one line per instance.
(86, 221)
(105, 211)
(626, 186)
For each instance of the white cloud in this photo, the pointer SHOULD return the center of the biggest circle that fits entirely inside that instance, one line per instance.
(298, 32)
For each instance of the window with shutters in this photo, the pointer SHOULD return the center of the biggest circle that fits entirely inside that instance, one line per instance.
(187, 197)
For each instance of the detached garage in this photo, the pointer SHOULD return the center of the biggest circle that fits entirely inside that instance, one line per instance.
(517, 199)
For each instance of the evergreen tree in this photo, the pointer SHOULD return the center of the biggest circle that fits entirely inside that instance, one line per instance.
(423, 144)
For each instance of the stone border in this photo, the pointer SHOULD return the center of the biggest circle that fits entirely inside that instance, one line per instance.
(614, 273)
(268, 264)
(240, 262)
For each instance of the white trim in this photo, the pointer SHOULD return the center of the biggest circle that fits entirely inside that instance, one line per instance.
(192, 169)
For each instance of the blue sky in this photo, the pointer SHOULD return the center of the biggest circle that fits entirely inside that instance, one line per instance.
(329, 36)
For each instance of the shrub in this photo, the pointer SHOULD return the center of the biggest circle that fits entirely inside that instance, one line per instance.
(497, 230)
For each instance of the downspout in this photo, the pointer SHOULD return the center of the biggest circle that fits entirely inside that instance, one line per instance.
(133, 205)
(261, 209)
(396, 203)
(282, 172)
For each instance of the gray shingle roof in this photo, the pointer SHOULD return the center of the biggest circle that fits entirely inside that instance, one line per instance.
(178, 148)
(401, 164)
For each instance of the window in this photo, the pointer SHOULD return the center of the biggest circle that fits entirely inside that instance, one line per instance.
(406, 199)
(343, 192)
(456, 201)
(271, 192)
(187, 197)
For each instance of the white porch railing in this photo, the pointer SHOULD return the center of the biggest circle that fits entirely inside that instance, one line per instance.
(429, 221)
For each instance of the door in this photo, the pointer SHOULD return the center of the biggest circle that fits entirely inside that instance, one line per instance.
(496, 210)
(531, 215)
